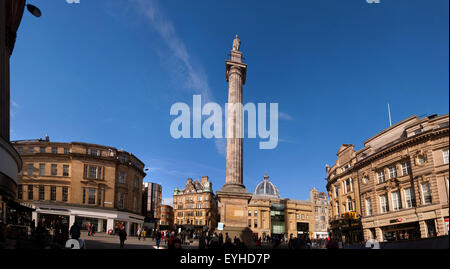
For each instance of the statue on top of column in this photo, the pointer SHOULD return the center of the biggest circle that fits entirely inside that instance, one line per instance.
(236, 43)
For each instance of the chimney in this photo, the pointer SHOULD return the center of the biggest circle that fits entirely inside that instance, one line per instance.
(204, 179)
(47, 138)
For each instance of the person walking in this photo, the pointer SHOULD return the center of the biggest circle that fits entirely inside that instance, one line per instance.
(139, 231)
(75, 231)
(144, 233)
(122, 237)
(158, 238)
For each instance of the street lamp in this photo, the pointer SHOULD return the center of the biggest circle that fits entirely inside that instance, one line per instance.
(34, 10)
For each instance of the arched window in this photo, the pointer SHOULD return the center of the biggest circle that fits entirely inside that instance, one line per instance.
(349, 204)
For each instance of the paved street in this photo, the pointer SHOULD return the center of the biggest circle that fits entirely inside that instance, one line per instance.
(103, 241)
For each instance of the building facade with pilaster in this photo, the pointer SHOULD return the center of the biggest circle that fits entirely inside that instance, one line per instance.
(402, 181)
(87, 183)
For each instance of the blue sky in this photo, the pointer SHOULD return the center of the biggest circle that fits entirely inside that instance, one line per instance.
(107, 72)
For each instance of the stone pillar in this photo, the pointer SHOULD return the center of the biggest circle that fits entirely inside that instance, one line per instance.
(34, 216)
(423, 229)
(367, 234)
(233, 196)
(379, 234)
(71, 220)
(127, 227)
(109, 225)
(100, 226)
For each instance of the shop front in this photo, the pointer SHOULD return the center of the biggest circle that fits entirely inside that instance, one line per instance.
(404, 231)
(348, 231)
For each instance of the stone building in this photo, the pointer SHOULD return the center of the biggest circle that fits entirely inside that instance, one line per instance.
(81, 182)
(167, 217)
(271, 215)
(195, 207)
(11, 12)
(398, 182)
(151, 203)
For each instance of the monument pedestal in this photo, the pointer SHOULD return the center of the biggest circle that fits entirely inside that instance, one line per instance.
(234, 211)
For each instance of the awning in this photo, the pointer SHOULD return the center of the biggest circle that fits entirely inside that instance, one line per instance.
(20, 207)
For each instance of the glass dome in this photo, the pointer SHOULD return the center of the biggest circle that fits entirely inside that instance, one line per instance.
(266, 189)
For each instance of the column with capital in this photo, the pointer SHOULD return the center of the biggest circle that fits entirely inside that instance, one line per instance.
(234, 196)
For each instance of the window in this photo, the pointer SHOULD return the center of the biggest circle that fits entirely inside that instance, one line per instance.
(256, 213)
(396, 201)
(380, 176)
(368, 207)
(30, 169)
(93, 171)
(122, 177)
(84, 195)
(52, 193)
(426, 193)
(65, 170)
(365, 179)
(409, 197)
(20, 150)
(54, 150)
(42, 149)
(249, 213)
(307, 217)
(405, 168)
(337, 210)
(250, 223)
(65, 193)
(94, 152)
(122, 158)
(256, 223)
(42, 169)
(91, 198)
(31, 150)
(445, 156)
(297, 216)
(136, 182)
(348, 185)
(303, 216)
(421, 159)
(316, 209)
(19, 192)
(392, 172)
(41, 193)
(336, 192)
(120, 201)
(30, 192)
(349, 204)
(54, 170)
(383, 204)
(66, 151)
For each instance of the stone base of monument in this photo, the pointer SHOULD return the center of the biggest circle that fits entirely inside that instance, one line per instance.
(233, 212)
(244, 234)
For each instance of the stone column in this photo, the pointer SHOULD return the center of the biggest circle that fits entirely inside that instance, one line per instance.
(71, 220)
(34, 216)
(379, 234)
(233, 196)
(127, 227)
(100, 226)
(423, 229)
(110, 225)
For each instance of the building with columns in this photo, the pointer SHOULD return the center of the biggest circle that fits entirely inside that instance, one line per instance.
(398, 183)
(270, 215)
(81, 182)
(195, 207)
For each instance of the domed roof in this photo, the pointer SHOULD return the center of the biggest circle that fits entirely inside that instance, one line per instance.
(267, 189)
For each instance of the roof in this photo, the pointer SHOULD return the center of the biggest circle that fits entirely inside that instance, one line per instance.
(266, 189)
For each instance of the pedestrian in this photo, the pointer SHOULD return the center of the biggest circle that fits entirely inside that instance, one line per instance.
(122, 237)
(144, 233)
(158, 239)
(89, 229)
(75, 231)
(139, 231)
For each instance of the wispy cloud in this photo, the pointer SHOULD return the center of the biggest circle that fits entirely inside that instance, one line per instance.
(285, 116)
(14, 107)
(194, 79)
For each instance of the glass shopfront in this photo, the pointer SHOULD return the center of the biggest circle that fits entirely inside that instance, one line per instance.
(407, 231)
(277, 219)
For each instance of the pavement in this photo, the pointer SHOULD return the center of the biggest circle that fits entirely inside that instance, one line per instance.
(104, 241)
